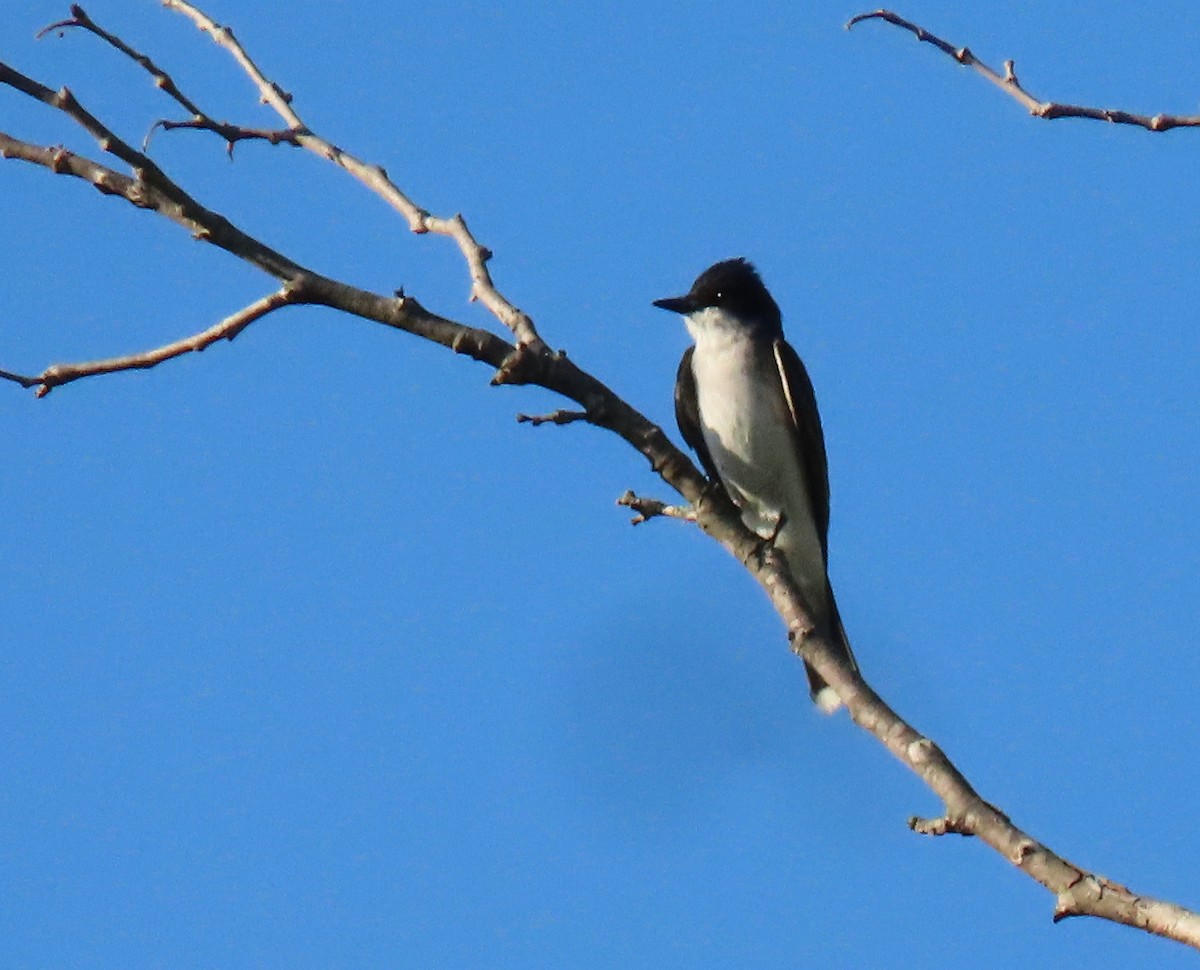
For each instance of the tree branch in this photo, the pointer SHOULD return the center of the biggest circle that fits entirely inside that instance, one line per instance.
(559, 417)
(1008, 83)
(527, 360)
(650, 508)
(58, 374)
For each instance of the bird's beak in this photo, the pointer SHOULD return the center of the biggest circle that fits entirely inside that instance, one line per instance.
(676, 304)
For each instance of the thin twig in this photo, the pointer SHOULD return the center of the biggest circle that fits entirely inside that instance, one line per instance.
(554, 417)
(650, 508)
(59, 374)
(1008, 83)
(162, 80)
(230, 132)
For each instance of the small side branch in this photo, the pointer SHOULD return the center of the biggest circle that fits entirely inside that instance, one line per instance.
(58, 374)
(1010, 85)
(650, 508)
(554, 417)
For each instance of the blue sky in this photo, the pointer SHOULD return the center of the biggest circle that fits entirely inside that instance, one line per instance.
(314, 657)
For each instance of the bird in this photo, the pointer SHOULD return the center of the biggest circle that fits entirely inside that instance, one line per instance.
(745, 404)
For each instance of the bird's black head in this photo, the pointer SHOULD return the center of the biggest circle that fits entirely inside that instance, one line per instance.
(734, 286)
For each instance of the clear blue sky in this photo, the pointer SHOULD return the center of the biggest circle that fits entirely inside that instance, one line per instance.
(314, 657)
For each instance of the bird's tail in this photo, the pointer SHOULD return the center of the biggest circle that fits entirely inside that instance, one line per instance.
(823, 695)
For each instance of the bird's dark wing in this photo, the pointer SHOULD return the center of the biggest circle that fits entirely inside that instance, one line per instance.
(687, 414)
(806, 428)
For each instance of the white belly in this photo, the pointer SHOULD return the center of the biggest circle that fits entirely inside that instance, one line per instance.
(748, 429)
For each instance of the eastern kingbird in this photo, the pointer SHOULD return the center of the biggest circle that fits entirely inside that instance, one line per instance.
(745, 404)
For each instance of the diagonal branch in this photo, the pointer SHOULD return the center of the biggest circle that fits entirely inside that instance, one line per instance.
(1008, 83)
(57, 375)
(149, 187)
(376, 179)
(162, 80)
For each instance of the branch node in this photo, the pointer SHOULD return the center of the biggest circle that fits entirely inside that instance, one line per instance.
(1024, 848)
(1078, 898)
(922, 751)
(797, 635)
(518, 367)
(945, 825)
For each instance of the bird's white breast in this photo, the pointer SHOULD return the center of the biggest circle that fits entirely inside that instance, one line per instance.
(742, 418)
(747, 427)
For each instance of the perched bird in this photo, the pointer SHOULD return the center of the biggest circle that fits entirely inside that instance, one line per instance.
(745, 404)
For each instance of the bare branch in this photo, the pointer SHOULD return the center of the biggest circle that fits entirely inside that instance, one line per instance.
(649, 508)
(58, 374)
(231, 133)
(162, 80)
(554, 417)
(1008, 83)
(149, 188)
(514, 364)
(969, 814)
